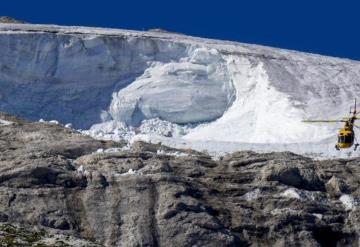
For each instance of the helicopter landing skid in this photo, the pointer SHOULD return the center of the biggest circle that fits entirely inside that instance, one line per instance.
(337, 148)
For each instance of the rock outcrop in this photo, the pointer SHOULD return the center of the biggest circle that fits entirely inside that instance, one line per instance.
(8, 19)
(57, 181)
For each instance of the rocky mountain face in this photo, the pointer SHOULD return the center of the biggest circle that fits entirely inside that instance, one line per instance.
(66, 188)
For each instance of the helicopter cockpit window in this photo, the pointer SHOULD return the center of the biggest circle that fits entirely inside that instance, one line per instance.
(341, 139)
(348, 139)
(345, 139)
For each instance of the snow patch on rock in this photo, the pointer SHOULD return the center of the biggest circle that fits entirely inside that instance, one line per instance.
(318, 216)
(348, 201)
(252, 195)
(291, 193)
(5, 122)
(175, 153)
(130, 172)
(82, 171)
(304, 195)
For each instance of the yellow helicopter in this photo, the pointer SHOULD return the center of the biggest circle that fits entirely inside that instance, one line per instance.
(346, 135)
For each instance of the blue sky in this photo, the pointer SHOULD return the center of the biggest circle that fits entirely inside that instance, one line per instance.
(317, 26)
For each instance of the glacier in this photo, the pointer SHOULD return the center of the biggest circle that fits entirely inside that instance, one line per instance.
(212, 95)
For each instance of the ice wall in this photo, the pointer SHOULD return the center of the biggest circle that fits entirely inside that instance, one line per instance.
(71, 77)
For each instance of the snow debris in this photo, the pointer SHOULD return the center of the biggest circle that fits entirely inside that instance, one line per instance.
(111, 130)
(113, 150)
(160, 152)
(81, 170)
(119, 131)
(319, 216)
(160, 127)
(348, 202)
(291, 193)
(54, 122)
(175, 153)
(41, 120)
(130, 172)
(304, 195)
(110, 150)
(5, 122)
(252, 195)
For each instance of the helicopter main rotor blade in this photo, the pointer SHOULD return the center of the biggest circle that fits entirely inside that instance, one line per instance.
(323, 121)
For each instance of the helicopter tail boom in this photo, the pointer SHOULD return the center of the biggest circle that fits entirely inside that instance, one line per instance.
(353, 112)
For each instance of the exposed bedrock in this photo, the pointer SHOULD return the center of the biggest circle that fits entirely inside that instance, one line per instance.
(152, 195)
